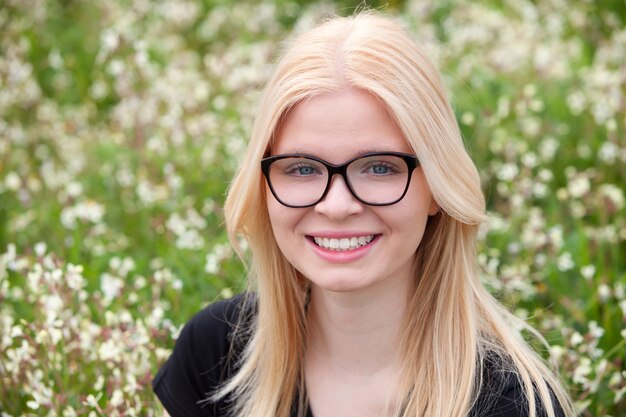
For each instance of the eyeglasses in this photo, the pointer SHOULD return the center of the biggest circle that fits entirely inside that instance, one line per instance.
(375, 179)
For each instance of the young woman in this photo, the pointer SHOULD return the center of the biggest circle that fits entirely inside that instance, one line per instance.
(360, 207)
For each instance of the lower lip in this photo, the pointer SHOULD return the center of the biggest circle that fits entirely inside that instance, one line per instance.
(342, 256)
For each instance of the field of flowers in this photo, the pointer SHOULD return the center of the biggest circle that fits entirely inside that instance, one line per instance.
(121, 123)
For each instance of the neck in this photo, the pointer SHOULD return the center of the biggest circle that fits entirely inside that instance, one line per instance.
(358, 333)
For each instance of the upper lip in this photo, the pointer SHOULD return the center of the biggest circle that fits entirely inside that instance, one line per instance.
(340, 235)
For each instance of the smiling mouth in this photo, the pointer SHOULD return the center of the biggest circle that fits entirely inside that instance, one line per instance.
(343, 244)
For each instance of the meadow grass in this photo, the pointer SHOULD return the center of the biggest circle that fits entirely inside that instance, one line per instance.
(122, 123)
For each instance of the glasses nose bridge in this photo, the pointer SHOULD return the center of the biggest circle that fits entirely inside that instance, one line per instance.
(338, 170)
(342, 171)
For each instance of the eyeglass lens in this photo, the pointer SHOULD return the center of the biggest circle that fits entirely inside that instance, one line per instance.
(374, 179)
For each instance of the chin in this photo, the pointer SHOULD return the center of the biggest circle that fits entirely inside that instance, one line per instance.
(339, 284)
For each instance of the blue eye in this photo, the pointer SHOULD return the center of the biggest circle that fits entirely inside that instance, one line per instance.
(381, 168)
(305, 170)
(301, 170)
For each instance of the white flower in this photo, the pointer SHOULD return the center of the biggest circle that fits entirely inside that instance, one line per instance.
(576, 102)
(541, 259)
(219, 253)
(540, 190)
(181, 13)
(565, 262)
(530, 160)
(548, 148)
(74, 277)
(92, 401)
(109, 40)
(110, 286)
(190, 239)
(140, 282)
(614, 194)
(74, 189)
(122, 266)
(468, 118)
(545, 175)
(34, 278)
(53, 303)
(89, 211)
(99, 383)
(12, 181)
(619, 290)
(619, 394)
(40, 249)
(156, 316)
(109, 350)
(16, 331)
(69, 412)
(557, 352)
(578, 186)
(212, 264)
(507, 172)
(195, 220)
(115, 67)
(588, 271)
(576, 339)
(98, 90)
(608, 152)
(595, 330)
(131, 385)
(604, 292)
(117, 398)
(531, 126)
(582, 371)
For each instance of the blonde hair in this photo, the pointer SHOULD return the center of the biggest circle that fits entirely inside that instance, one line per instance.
(454, 325)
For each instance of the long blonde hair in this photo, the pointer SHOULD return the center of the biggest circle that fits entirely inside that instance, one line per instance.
(454, 325)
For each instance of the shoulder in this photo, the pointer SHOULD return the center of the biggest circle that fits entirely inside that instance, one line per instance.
(204, 356)
(210, 330)
(502, 393)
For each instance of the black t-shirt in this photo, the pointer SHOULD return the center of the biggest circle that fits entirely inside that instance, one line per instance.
(202, 359)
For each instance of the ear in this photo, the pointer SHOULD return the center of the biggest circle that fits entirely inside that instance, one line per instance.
(434, 207)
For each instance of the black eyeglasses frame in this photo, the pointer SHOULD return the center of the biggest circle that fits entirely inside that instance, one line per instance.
(341, 169)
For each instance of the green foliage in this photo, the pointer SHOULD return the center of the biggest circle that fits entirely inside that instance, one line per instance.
(122, 123)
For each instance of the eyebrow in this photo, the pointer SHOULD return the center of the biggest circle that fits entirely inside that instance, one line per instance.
(308, 152)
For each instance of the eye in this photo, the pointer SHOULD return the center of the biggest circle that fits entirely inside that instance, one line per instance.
(301, 170)
(380, 168)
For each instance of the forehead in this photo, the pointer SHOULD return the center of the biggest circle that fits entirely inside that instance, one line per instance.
(338, 126)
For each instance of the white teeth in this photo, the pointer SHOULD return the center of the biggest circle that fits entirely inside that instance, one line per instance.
(344, 244)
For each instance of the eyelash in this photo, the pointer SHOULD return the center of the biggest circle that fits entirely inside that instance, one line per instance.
(382, 164)
(292, 169)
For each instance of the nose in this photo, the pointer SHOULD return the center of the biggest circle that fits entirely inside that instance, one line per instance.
(338, 203)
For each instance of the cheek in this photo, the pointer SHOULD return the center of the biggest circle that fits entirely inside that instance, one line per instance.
(284, 228)
(283, 221)
(273, 210)
(413, 213)
(423, 200)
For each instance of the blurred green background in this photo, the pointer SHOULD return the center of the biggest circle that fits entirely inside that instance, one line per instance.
(121, 125)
